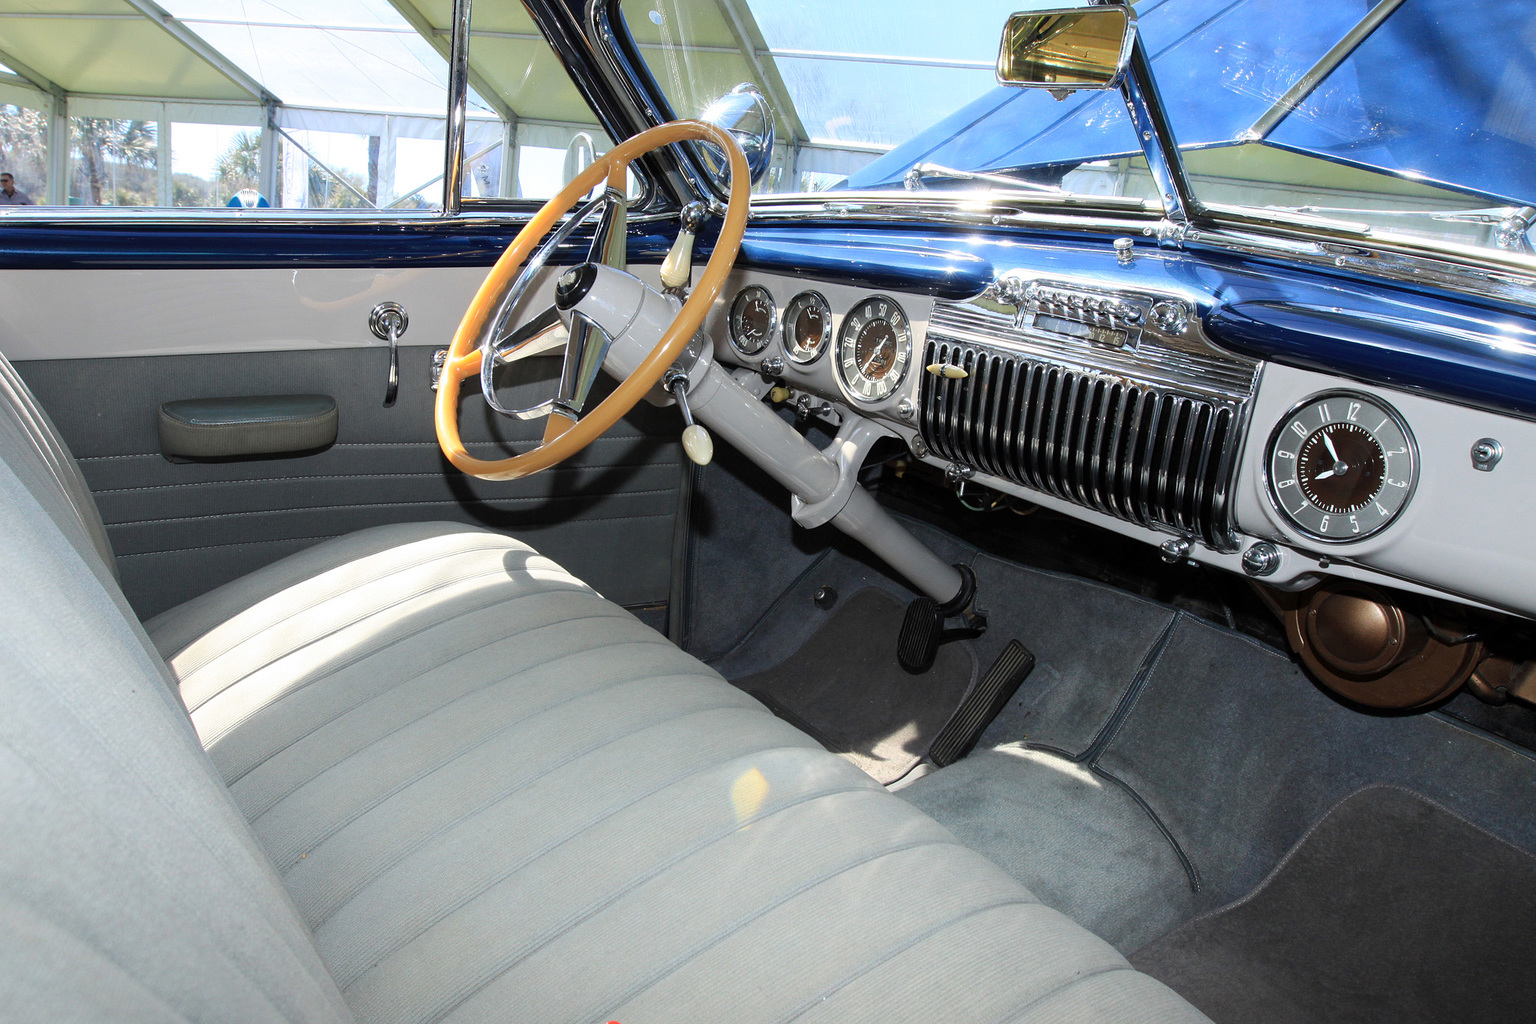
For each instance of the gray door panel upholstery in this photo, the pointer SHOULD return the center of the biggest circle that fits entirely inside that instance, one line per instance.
(181, 528)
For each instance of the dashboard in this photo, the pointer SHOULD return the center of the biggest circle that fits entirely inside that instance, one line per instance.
(1109, 400)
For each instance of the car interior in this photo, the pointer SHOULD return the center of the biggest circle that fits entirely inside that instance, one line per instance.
(942, 590)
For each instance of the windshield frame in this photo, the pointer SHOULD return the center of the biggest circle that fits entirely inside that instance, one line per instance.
(1187, 217)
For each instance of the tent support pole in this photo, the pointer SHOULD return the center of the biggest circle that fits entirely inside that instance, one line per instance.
(58, 151)
(267, 184)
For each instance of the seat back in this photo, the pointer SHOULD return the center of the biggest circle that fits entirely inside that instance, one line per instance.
(131, 887)
(32, 445)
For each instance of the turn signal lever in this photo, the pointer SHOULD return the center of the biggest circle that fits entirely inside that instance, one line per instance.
(696, 440)
(677, 268)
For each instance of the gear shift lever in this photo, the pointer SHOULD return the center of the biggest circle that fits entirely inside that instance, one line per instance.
(696, 440)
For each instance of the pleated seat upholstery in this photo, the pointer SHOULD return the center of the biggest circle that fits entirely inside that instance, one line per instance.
(435, 777)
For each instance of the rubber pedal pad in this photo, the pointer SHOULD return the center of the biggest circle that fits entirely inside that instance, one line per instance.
(922, 629)
(982, 704)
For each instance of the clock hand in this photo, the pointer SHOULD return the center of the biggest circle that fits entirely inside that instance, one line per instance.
(1328, 443)
(1324, 475)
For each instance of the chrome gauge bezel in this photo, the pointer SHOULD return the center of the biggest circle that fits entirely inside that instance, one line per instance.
(742, 297)
(786, 329)
(1282, 471)
(855, 385)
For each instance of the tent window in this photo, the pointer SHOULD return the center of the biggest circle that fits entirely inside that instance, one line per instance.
(114, 162)
(24, 148)
(325, 105)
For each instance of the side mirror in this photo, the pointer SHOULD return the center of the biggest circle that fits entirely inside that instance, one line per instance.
(745, 114)
(1067, 48)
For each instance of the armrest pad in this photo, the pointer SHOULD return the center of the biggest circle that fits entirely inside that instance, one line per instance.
(221, 428)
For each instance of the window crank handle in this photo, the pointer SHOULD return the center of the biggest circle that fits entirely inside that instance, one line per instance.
(388, 321)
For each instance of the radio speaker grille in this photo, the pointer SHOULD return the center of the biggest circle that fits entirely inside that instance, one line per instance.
(1143, 454)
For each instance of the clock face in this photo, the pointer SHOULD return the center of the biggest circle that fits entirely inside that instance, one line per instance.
(1341, 466)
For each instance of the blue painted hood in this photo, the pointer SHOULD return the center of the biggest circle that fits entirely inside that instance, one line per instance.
(1442, 90)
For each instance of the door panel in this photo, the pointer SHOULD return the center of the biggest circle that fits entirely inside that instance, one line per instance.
(181, 528)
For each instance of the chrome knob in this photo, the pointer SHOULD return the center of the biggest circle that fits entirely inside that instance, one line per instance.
(1175, 549)
(1262, 559)
(1171, 316)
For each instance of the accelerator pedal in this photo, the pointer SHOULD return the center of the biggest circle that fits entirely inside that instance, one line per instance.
(982, 704)
(922, 628)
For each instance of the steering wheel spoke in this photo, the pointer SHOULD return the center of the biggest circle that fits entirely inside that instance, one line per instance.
(477, 348)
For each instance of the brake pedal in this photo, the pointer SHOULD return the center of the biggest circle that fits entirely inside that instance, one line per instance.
(922, 628)
(982, 704)
(921, 631)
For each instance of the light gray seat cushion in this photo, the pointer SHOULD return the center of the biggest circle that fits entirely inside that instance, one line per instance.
(445, 780)
(495, 796)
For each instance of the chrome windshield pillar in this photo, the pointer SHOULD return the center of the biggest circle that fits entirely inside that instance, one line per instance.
(458, 106)
(1158, 145)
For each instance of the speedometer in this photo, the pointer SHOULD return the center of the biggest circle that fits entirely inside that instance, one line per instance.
(1341, 466)
(873, 349)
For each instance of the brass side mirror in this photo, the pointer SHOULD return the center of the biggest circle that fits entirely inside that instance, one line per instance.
(1067, 48)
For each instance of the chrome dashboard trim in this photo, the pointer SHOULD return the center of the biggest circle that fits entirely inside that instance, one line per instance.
(1188, 363)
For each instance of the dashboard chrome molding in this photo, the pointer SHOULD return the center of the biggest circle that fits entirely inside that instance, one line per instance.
(1187, 361)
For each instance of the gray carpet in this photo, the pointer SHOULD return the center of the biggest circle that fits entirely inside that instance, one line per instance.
(1238, 753)
(845, 688)
(1231, 748)
(1390, 909)
(1078, 841)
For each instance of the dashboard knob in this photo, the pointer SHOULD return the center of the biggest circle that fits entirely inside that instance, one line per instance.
(1262, 559)
(1171, 316)
(1175, 549)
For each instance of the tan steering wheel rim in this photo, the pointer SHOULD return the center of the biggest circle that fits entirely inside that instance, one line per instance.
(463, 359)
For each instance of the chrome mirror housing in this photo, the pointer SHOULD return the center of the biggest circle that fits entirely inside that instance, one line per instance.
(1067, 48)
(745, 114)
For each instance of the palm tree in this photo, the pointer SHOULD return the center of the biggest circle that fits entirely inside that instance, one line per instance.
(99, 139)
(239, 167)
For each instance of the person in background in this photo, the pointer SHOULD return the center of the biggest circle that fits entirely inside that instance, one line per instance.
(10, 195)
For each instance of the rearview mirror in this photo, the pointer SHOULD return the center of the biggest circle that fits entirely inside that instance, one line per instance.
(1066, 48)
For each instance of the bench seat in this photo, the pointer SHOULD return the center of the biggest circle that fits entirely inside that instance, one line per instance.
(421, 773)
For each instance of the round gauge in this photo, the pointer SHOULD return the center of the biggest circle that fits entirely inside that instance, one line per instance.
(1341, 466)
(873, 349)
(753, 318)
(807, 327)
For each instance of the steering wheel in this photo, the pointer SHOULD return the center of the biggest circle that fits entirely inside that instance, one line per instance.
(474, 351)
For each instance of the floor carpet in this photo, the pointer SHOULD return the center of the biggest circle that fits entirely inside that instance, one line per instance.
(1389, 909)
(845, 688)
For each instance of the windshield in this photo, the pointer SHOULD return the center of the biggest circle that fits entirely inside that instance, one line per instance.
(1414, 117)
